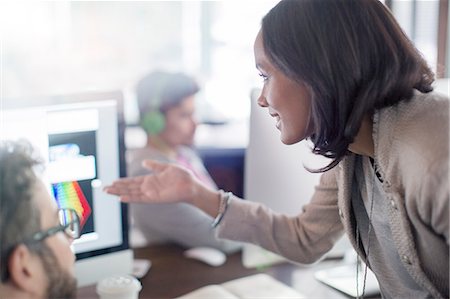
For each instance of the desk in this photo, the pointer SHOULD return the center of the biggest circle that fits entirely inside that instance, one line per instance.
(172, 274)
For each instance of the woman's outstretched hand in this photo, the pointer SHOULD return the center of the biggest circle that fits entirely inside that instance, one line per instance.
(167, 183)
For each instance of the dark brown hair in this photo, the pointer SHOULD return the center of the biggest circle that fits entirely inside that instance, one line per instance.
(354, 57)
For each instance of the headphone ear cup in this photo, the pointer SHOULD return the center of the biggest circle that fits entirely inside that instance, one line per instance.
(153, 122)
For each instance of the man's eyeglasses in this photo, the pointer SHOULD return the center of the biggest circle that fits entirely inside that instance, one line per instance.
(69, 224)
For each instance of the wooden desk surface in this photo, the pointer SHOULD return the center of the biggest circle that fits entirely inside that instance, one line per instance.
(172, 275)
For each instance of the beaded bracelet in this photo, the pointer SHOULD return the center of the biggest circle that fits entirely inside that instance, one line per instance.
(225, 198)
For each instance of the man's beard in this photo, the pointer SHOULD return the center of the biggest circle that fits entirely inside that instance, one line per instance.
(60, 283)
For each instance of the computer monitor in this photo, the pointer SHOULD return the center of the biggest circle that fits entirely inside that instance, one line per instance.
(275, 176)
(81, 139)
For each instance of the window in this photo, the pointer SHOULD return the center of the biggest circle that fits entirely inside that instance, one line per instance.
(58, 47)
(426, 24)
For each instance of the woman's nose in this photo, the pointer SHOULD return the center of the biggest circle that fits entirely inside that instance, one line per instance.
(262, 101)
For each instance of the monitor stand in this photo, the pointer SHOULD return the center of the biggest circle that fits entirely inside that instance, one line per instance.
(137, 240)
(90, 270)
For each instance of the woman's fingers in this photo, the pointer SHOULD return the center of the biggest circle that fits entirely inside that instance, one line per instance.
(125, 186)
(128, 198)
(157, 187)
(124, 192)
(126, 182)
(134, 189)
(128, 195)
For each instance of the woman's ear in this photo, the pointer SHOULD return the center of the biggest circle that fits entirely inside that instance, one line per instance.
(26, 271)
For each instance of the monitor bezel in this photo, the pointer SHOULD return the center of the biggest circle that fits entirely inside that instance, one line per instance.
(73, 98)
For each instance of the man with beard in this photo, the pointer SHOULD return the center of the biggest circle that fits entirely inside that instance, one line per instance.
(36, 260)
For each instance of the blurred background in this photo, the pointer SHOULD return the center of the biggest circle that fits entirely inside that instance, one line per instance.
(62, 47)
(51, 48)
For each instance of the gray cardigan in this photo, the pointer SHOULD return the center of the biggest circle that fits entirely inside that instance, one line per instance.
(411, 148)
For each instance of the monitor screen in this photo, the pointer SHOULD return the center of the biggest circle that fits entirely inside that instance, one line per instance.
(80, 137)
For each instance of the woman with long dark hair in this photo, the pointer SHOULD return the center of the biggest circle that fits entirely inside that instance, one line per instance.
(343, 74)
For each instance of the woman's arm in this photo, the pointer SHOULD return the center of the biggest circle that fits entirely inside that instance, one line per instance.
(167, 183)
(304, 238)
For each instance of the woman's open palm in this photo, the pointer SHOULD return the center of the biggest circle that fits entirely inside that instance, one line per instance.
(167, 183)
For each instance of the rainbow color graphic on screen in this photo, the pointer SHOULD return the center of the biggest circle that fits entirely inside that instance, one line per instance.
(70, 195)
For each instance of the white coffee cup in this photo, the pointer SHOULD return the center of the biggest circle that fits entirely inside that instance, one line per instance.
(119, 287)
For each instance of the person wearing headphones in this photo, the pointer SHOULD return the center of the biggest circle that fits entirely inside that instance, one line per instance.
(166, 104)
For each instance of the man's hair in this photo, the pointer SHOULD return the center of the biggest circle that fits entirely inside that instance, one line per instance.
(160, 90)
(19, 215)
(353, 57)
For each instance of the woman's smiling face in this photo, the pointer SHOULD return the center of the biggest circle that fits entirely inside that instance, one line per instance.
(288, 101)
